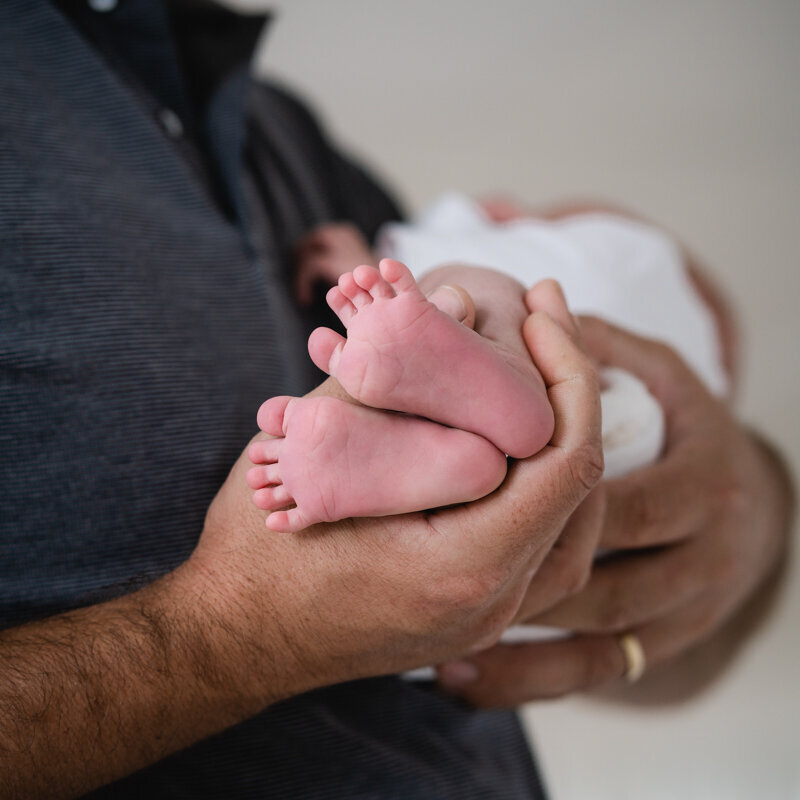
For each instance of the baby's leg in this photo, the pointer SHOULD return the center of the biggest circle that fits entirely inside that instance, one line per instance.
(402, 353)
(335, 460)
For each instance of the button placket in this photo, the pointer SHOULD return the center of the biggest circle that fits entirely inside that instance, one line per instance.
(170, 122)
(102, 6)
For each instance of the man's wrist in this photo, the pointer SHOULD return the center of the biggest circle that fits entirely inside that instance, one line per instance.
(241, 658)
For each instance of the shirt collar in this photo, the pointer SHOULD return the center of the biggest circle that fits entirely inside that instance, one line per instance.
(188, 56)
(212, 41)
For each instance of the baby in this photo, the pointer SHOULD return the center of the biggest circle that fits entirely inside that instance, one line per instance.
(441, 405)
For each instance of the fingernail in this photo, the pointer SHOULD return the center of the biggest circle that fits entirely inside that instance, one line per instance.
(448, 300)
(457, 673)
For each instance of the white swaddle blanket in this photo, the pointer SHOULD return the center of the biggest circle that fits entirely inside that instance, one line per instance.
(623, 271)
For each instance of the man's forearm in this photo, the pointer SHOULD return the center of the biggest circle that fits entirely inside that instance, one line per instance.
(95, 694)
(251, 618)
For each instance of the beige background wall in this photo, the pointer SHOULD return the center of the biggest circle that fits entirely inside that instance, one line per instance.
(688, 111)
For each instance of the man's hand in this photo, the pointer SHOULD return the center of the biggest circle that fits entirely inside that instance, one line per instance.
(698, 534)
(254, 616)
(370, 596)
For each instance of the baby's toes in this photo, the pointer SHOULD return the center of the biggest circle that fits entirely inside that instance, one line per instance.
(369, 279)
(271, 498)
(258, 477)
(270, 416)
(287, 521)
(353, 292)
(340, 305)
(399, 276)
(265, 451)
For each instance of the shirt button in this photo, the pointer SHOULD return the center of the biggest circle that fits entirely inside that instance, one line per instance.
(171, 123)
(103, 6)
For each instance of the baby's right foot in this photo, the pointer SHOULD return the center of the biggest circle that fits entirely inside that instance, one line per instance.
(403, 353)
(334, 460)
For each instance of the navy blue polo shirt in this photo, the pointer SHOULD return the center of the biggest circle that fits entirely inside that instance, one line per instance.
(150, 197)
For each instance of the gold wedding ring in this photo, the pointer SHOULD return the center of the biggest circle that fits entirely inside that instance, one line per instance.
(633, 652)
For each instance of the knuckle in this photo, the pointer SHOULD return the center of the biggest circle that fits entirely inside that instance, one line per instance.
(615, 615)
(644, 513)
(572, 574)
(576, 577)
(585, 464)
(487, 631)
(463, 594)
(469, 610)
(555, 683)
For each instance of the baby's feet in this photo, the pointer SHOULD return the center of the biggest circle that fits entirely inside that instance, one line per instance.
(334, 460)
(402, 353)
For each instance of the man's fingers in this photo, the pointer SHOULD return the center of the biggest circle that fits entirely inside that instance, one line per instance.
(660, 504)
(667, 376)
(567, 567)
(550, 334)
(571, 381)
(693, 485)
(548, 296)
(508, 675)
(628, 590)
(663, 502)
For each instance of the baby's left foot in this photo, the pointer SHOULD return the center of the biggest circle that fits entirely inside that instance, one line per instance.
(402, 353)
(332, 460)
